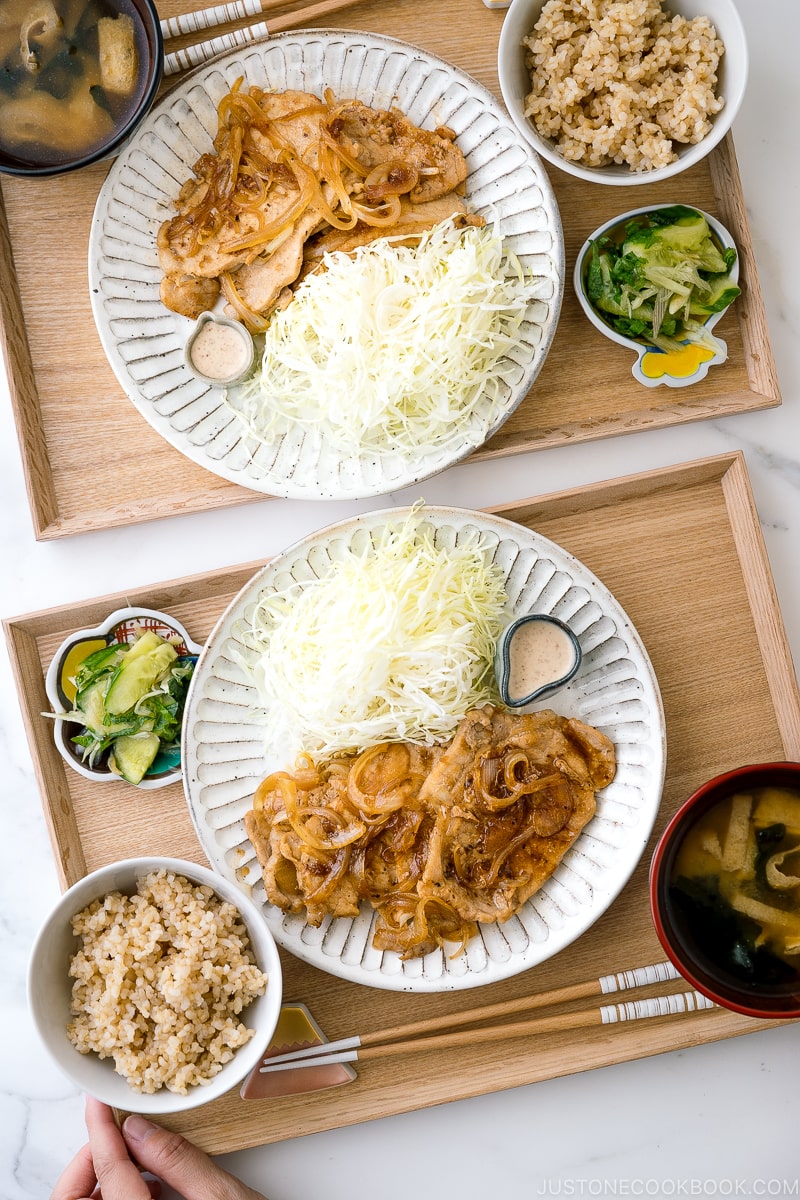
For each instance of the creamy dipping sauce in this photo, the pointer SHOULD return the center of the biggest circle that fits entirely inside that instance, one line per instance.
(220, 351)
(540, 653)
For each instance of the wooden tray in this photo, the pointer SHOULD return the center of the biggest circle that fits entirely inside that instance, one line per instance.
(681, 549)
(83, 442)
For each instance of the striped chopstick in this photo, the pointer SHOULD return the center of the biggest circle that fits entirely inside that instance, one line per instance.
(218, 14)
(193, 56)
(200, 52)
(424, 1035)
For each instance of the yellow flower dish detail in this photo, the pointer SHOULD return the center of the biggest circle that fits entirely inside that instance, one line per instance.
(680, 364)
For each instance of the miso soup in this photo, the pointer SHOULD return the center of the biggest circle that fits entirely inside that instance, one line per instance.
(71, 72)
(734, 894)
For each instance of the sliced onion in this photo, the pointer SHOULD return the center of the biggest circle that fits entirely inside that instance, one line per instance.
(268, 232)
(300, 817)
(266, 788)
(391, 178)
(389, 215)
(505, 853)
(391, 797)
(338, 869)
(352, 163)
(254, 321)
(408, 921)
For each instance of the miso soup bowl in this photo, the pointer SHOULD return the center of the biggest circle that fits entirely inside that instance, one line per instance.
(151, 48)
(765, 1000)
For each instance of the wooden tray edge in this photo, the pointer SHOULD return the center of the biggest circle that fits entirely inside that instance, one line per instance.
(23, 391)
(51, 779)
(684, 1034)
(764, 391)
(730, 472)
(759, 358)
(764, 604)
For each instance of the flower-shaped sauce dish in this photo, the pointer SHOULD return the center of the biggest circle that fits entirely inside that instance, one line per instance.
(536, 656)
(657, 280)
(127, 722)
(219, 350)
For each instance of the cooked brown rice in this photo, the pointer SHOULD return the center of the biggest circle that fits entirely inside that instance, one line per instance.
(160, 980)
(621, 82)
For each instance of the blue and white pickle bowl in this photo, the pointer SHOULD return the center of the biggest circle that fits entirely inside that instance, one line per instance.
(123, 625)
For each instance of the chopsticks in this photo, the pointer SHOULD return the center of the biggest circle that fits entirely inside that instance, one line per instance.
(422, 1035)
(221, 14)
(217, 14)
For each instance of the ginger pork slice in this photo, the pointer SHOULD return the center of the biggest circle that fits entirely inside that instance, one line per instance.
(492, 848)
(478, 826)
(295, 877)
(414, 220)
(296, 120)
(376, 136)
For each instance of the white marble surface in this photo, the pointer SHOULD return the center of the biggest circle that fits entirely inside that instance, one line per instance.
(715, 1121)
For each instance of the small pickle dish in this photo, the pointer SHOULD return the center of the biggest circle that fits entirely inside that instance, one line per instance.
(118, 692)
(658, 280)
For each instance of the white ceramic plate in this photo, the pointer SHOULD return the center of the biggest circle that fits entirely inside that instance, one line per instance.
(144, 341)
(227, 752)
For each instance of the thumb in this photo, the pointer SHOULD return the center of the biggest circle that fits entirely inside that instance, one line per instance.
(180, 1164)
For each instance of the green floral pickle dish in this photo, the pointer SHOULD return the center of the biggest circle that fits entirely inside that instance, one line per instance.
(122, 628)
(700, 296)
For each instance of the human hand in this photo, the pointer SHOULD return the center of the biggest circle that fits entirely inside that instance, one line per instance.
(109, 1167)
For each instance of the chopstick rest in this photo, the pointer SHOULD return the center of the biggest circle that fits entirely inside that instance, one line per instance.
(296, 1031)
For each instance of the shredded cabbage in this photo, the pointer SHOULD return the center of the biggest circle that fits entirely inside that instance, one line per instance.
(394, 643)
(392, 348)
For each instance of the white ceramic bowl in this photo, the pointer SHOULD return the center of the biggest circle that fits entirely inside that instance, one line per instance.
(515, 85)
(50, 988)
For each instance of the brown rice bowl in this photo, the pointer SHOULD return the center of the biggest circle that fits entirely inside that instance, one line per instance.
(214, 922)
(611, 91)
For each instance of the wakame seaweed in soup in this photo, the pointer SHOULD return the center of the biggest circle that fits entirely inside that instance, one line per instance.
(734, 893)
(71, 72)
